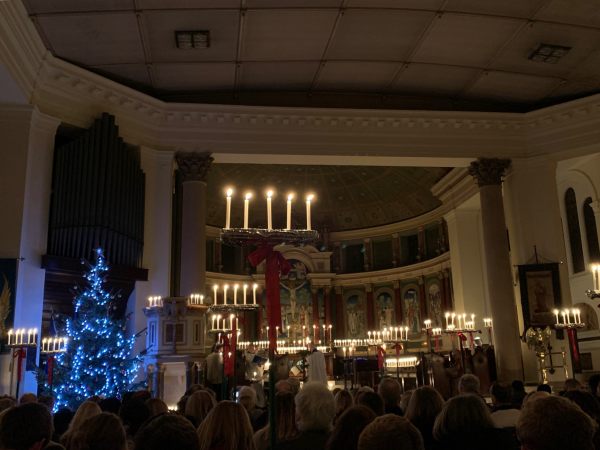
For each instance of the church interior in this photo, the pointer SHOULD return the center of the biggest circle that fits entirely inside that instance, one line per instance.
(428, 171)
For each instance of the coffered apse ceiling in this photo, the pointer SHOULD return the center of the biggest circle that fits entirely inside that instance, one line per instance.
(410, 54)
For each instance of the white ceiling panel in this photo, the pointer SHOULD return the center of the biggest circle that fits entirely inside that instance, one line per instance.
(137, 73)
(515, 57)
(291, 76)
(377, 34)
(187, 4)
(222, 24)
(287, 34)
(433, 79)
(580, 12)
(432, 5)
(194, 77)
(54, 6)
(510, 8)
(293, 3)
(458, 39)
(95, 39)
(354, 76)
(512, 87)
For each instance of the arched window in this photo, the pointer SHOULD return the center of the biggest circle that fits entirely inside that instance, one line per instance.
(574, 231)
(591, 231)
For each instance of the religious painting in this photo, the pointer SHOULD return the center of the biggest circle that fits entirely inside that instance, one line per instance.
(434, 301)
(384, 308)
(540, 293)
(296, 300)
(412, 313)
(355, 316)
(8, 285)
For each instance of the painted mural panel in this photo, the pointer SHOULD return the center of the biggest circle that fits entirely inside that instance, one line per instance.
(356, 318)
(434, 301)
(412, 313)
(384, 307)
(296, 300)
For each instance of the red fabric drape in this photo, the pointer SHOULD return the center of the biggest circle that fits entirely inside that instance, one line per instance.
(275, 264)
(50, 367)
(380, 357)
(20, 355)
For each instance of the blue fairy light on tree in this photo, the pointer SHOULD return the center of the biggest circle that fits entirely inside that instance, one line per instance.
(98, 359)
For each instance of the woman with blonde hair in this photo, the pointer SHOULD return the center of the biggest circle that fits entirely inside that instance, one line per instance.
(198, 406)
(156, 406)
(286, 422)
(85, 411)
(227, 427)
(101, 432)
(423, 407)
(343, 400)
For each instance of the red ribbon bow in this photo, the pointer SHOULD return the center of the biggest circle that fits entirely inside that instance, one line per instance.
(275, 264)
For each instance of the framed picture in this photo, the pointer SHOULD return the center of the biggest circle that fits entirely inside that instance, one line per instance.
(540, 293)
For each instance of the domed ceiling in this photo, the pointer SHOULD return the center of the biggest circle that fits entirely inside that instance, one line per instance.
(346, 197)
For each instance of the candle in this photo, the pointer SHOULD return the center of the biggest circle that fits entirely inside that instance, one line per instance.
(269, 215)
(245, 289)
(225, 289)
(10, 333)
(231, 317)
(452, 317)
(555, 314)
(247, 198)
(213, 322)
(309, 199)
(215, 289)
(330, 328)
(254, 292)
(447, 315)
(228, 210)
(564, 317)
(290, 197)
(235, 289)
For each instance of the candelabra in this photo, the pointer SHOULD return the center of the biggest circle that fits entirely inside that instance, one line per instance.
(52, 347)
(595, 293)
(18, 342)
(538, 340)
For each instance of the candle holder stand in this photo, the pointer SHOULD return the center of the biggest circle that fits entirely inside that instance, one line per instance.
(16, 342)
(52, 347)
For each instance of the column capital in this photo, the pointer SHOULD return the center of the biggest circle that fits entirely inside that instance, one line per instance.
(489, 171)
(396, 284)
(194, 166)
(368, 287)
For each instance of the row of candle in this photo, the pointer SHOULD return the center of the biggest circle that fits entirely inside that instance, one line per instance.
(316, 332)
(155, 301)
(349, 352)
(404, 361)
(270, 194)
(54, 345)
(566, 317)
(17, 337)
(596, 274)
(283, 346)
(390, 334)
(219, 323)
(235, 288)
(196, 299)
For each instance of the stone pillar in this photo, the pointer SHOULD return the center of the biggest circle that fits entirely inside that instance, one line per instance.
(488, 173)
(447, 291)
(194, 168)
(422, 299)
(327, 304)
(339, 326)
(370, 307)
(398, 303)
(160, 380)
(368, 260)
(395, 250)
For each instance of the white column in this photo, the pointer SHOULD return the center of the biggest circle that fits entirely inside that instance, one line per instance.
(26, 152)
(467, 259)
(158, 169)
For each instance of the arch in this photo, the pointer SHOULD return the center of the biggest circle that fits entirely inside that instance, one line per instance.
(574, 231)
(385, 307)
(591, 231)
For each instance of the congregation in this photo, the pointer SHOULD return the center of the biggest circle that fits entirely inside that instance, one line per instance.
(312, 417)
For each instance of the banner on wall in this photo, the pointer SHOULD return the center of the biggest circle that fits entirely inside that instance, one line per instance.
(8, 287)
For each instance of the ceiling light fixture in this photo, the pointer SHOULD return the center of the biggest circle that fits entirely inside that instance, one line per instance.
(187, 40)
(548, 53)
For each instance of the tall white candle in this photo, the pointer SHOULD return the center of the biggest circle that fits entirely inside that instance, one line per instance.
(309, 199)
(235, 289)
(289, 212)
(228, 210)
(269, 212)
(213, 322)
(225, 289)
(246, 208)
(245, 290)
(254, 287)
(215, 292)
(555, 314)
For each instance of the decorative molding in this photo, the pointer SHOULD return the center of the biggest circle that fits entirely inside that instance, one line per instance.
(194, 166)
(489, 171)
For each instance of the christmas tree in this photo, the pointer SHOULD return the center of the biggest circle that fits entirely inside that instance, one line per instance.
(98, 358)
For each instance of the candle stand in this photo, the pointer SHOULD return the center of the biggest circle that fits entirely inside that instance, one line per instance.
(52, 347)
(571, 322)
(20, 345)
(265, 240)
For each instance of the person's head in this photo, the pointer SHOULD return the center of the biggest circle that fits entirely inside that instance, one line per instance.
(86, 410)
(343, 400)
(199, 405)
(62, 418)
(555, 423)
(593, 383)
(167, 431)
(26, 427)
(461, 415)
(390, 431)
(283, 386)
(534, 396)
(348, 427)
(286, 415)
(373, 401)
(226, 427)
(193, 388)
(46, 400)
(247, 398)
(110, 404)
(27, 398)
(586, 401)
(517, 386)
(544, 388)
(571, 384)
(501, 393)
(156, 406)
(7, 402)
(315, 407)
(468, 384)
(390, 391)
(133, 413)
(295, 383)
(424, 406)
(405, 398)
(101, 432)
